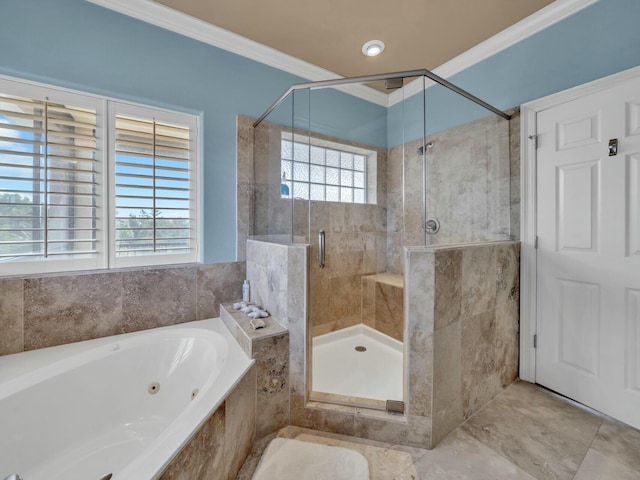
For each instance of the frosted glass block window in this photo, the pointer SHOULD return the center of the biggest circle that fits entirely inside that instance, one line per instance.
(320, 173)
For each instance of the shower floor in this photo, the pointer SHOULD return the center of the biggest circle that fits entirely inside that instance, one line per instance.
(375, 373)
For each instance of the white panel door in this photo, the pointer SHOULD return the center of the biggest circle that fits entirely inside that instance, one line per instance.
(588, 261)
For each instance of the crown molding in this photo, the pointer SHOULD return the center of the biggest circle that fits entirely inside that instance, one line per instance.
(534, 23)
(162, 16)
(183, 24)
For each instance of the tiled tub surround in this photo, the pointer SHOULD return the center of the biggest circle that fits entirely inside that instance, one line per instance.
(42, 311)
(278, 278)
(269, 347)
(99, 418)
(219, 448)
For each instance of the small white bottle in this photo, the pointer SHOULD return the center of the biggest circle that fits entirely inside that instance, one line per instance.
(245, 291)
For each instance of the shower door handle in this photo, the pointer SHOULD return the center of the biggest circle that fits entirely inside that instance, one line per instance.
(321, 249)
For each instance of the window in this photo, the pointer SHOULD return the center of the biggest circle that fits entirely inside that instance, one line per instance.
(65, 156)
(324, 171)
(154, 199)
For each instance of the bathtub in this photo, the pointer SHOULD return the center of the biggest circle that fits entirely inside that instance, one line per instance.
(122, 405)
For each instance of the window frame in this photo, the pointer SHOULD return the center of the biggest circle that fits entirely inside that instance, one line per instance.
(106, 108)
(371, 159)
(124, 108)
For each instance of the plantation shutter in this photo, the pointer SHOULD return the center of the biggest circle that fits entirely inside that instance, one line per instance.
(48, 180)
(154, 187)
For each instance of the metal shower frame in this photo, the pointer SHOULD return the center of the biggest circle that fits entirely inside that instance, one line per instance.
(378, 77)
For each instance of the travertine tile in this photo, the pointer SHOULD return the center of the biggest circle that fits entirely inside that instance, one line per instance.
(619, 442)
(532, 446)
(507, 272)
(460, 456)
(552, 411)
(419, 282)
(240, 423)
(447, 381)
(203, 457)
(66, 309)
(251, 463)
(597, 466)
(329, 418)
(344, 298)
(448, 287)
(478, 280)
(11, 316)
(389, 310)
(414, 432)
(158, 297)
(218, 283)
(368, 301)
(480, 381)
(420, 372)
(507, 341)
(273, 394)
(297, 349)
(297, 281)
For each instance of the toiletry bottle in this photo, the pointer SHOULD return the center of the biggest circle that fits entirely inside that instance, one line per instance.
(245, 291)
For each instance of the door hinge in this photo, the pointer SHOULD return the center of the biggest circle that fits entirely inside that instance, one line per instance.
(535, 243)
(535, 341)
(535, 140)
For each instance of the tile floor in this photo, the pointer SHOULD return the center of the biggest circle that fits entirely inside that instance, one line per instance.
(527, 432)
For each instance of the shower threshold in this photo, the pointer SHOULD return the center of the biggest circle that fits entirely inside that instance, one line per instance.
(357, 365)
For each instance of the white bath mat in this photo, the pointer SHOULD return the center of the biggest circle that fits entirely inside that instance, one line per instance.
(286, 459)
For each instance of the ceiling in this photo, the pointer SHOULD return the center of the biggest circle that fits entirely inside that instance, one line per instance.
(330, 33)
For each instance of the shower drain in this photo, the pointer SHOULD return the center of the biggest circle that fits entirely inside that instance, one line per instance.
(361, 348)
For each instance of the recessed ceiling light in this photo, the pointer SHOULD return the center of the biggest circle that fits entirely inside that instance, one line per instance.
(373, 48)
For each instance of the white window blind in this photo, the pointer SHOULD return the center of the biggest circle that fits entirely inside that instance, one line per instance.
(154, 187)
(88, 182)
(48, 180)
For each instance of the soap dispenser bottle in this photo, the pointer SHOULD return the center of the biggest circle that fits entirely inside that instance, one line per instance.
(245, 291)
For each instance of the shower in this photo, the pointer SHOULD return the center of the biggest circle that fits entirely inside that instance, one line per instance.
(369, 186)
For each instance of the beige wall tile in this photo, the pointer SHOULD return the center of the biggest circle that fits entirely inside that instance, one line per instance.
(273, 393)
(420, 361)
(478, 280)
(11, 316)
(389, 310)
(448, 287)
(330, 418)
(218, 283)
(158, 297)
(415, 432)
(203, 457)
(71, 308)
(240, 423)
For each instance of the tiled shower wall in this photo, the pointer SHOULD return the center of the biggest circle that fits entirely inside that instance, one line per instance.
(462, 340)
(43, 311)
(471, 187)
(355, 234)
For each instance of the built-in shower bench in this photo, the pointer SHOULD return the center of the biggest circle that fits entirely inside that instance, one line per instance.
(383, 303)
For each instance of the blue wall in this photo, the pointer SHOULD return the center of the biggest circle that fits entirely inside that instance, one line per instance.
(75, 44)
(597, 41)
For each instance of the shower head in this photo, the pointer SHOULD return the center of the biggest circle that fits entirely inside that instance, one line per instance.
(420, 150)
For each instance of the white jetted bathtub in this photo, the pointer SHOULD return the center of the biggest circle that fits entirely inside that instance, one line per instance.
(121, 405)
